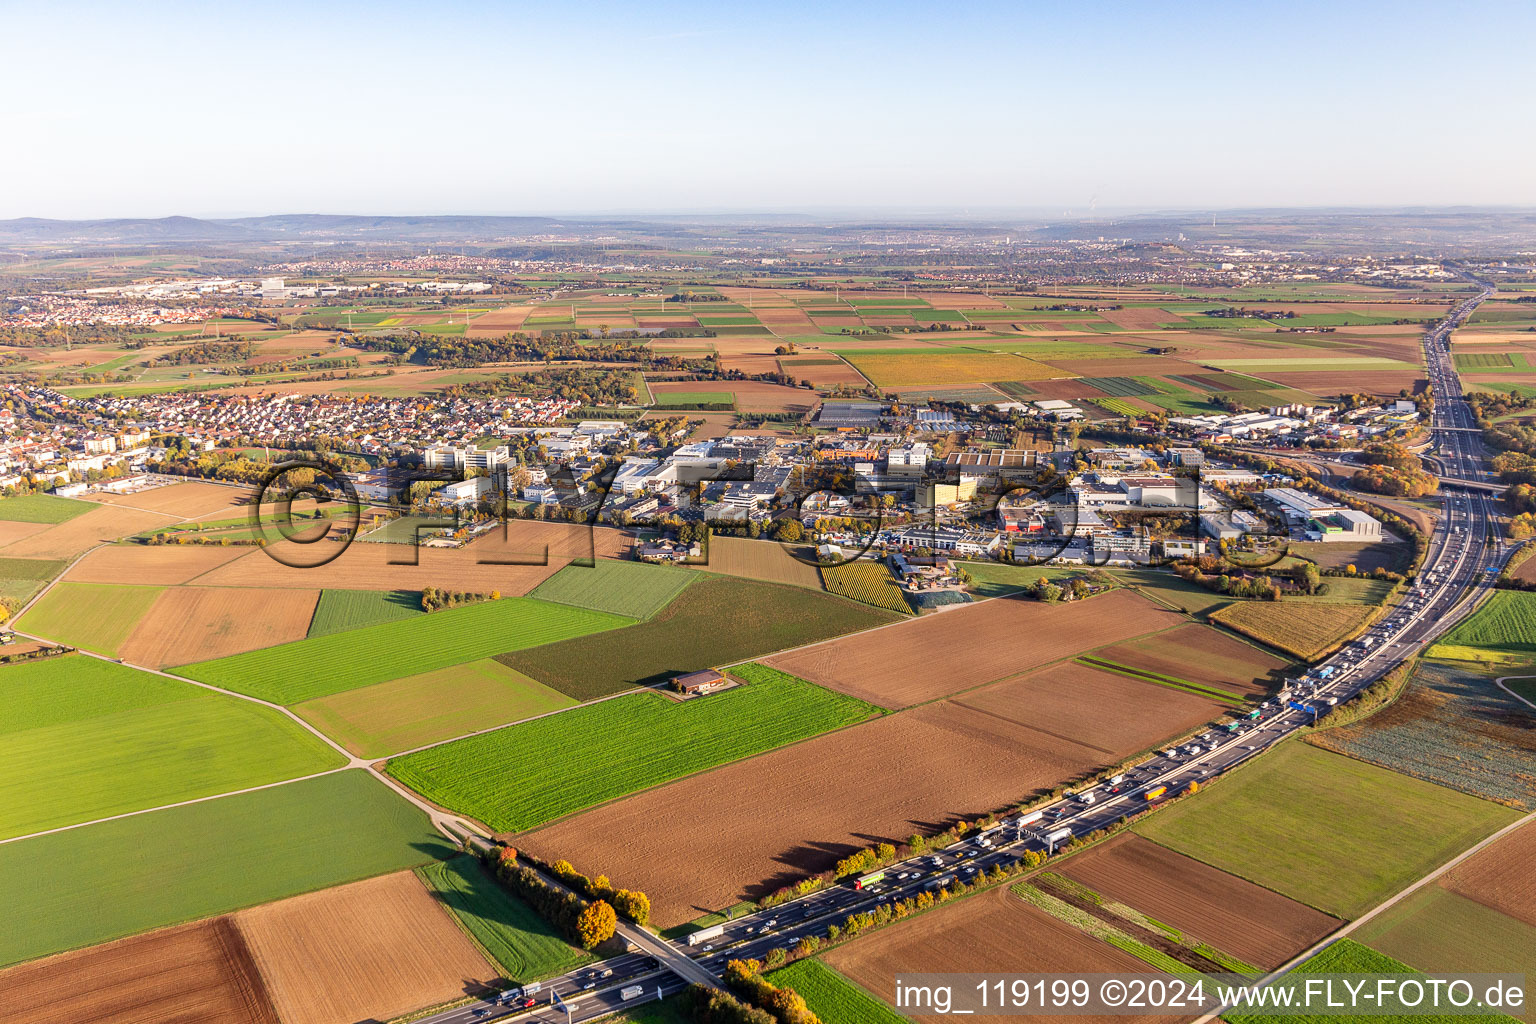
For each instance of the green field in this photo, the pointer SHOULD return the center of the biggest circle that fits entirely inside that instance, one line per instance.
(402, 714)
(1506, 624)
(410, 529)
(868, 583)
(632, 589)
(1335, 833)
(41, 508)
(510, 931)
(82, 738)
(1346, 956)
(94, 616)
(527, 774)
(831, 996)
(323, 665)
(31, 568)
(1439, 930)
(996, 579)
(341, 610)
(116, 878)
(716, 621)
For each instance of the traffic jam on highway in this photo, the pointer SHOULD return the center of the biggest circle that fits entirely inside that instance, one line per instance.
(1463, 556)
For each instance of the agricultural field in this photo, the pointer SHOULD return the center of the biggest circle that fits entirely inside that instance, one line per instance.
(522, 776)
(1502, 632)
(1437, 929)
(635, 590)
(41, 508)
(716, 621)
(991, 748)
(866, 582)
(1364, 557)
(287, 674)
(1453, 727)
(1202, 656)
(402, 714)
(916, 367)
(1299, 628)
(992, 931)
(758, 560)
(340, 610)
(831, 996)
(80, 533)
(93, 616)
(336, 828)
(1385, 829)
(85, 738)
(1207, 905)
(995, 579)
(918, 661)
(185, 500)
(199, 973)
(158, 565)
(508, 930)
(1347, 956)
(369, 950)
(186, 623)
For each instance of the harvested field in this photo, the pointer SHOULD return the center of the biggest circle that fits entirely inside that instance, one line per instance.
(157, 565)
(1238, 917)
(920, 367)
(186, 501)
(547, 546)
(1372, 381)
(912, 772)
(68, 539)
(941, 654)
(1501, 877)
(1204, 656)
(370, 950)
(196, 974)
(1051, 704)
(12, 531)
(759, 560)
(993, 931)
(1439, 930)
(1303, 629)
(198, 623)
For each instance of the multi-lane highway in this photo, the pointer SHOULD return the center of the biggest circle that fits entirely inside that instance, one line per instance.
(1463, 556)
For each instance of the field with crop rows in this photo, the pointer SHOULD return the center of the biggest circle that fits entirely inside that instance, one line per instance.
(82, 738)
(1505, 625)
(1305, 630)
(632, 589)
(41, 508)
(94, 616)
(341, 610)
(508, 929)
(318, 666)
(866, 582)
(527, 774)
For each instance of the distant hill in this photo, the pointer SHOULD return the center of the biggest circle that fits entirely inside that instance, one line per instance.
(305, 226)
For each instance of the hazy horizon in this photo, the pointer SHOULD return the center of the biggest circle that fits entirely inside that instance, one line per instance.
(685, 109)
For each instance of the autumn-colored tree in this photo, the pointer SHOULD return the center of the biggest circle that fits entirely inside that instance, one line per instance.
(596, 924)
(507, 857)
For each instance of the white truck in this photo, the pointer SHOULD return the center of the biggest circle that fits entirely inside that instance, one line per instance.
(706, 934)
(631, 992)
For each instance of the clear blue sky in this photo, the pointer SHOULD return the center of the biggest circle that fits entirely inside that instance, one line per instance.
(207, 109)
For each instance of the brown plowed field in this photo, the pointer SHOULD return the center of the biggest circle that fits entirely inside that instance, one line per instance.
(1327, 382)
(161, 565)
(1502, 876)
(70, 538)
(1200, 654)
(941, 654)
(1234, 915)
(759, 560)
(1073, 703)
(1140, 318)
(752, 395)
(816, 801)
(371, 950)
(366, 566)
(194, 974)
(498, 322)
(187, 624)
(190, 500)
(995, 931)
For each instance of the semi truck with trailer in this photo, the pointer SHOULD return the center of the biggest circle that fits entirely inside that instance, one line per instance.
(706, 934)
(865, 881)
